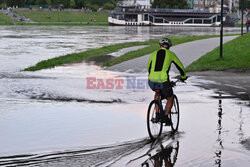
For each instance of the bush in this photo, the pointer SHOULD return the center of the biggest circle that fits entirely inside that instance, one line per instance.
(108, 6)
(93, 7)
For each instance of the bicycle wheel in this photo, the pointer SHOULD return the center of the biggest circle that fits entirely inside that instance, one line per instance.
(154, 125)
(175, 115)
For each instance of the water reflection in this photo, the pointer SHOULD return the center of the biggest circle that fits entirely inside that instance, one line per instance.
(165, 156)
(240, 131)
(219, 140)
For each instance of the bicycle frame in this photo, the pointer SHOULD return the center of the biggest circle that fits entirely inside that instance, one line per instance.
(154, 124)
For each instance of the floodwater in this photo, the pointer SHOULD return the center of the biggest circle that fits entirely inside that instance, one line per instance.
(50, 118)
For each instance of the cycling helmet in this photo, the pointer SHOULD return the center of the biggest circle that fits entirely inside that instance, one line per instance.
(165, 42)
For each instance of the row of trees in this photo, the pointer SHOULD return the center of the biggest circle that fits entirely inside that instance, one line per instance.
(170, 4)
(245, 4)
(94, 4)
(182, 4)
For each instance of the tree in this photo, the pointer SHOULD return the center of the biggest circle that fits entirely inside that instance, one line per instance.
(246, 4)
(97, 2)
(11, 3)
(41, 2)
(79, 3)
(72, 3)
(53, 3)
(173, 4)
(109, 6)
(48, 2)
(66, 3)
(31, 2)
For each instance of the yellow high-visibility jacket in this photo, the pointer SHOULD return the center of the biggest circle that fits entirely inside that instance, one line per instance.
(159, 65)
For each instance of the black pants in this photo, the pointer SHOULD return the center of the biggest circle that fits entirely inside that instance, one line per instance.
(165, 87)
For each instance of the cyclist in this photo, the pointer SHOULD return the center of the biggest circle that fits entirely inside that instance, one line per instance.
(158, 68)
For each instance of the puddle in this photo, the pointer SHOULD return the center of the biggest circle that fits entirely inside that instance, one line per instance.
(98, 60)
(126, 50)
(213, 131)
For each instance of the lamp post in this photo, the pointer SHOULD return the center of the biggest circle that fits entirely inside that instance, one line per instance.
(221, 30)
(242, 13)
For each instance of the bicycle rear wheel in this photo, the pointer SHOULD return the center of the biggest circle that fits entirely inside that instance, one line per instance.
(175, 115)
(154, 125)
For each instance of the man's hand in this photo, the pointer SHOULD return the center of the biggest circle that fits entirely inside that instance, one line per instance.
(182, 79)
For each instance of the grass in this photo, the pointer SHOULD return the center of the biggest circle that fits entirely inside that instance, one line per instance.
(236, 55)
(62, 24)
(5, 19)
(79, 57)
(65, 17)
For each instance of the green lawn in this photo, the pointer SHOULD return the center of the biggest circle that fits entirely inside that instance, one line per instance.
(236, 55)
(79, 57)
(5, 19)
(65, 16)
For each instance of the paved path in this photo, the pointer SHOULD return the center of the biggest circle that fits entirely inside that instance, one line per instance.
(233, 82)
(187, 53)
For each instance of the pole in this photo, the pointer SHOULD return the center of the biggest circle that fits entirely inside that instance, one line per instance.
(221, 30)
(242, 13)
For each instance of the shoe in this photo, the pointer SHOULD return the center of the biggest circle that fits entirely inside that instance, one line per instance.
(157, 118)
(167, 121)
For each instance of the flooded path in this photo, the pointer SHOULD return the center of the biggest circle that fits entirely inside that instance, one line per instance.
(212, 133)
(49, 118)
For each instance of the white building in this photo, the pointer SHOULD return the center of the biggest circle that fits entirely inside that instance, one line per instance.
(126, 3)
(214, 5)
(144, 4)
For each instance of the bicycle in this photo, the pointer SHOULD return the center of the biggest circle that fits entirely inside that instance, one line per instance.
(154, 124)
(166, 155)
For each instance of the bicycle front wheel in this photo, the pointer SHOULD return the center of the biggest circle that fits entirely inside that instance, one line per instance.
(153, 123)
(175, 115)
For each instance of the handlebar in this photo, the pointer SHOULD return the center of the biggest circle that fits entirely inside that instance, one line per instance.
(178, 77)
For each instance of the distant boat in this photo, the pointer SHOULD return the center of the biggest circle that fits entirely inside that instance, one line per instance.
(134, 16)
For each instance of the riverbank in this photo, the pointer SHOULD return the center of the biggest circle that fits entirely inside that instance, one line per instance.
(5, 20)
(45, 17)
(66, 17)
(79, 57)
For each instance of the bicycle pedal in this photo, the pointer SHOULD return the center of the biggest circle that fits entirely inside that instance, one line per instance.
(154, 120)
(168, 124)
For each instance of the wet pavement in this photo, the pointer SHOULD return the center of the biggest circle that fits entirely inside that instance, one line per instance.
(234, 82)
(213, 132)
(50, 118)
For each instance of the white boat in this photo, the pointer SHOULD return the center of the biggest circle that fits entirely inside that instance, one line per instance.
(133, 16)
